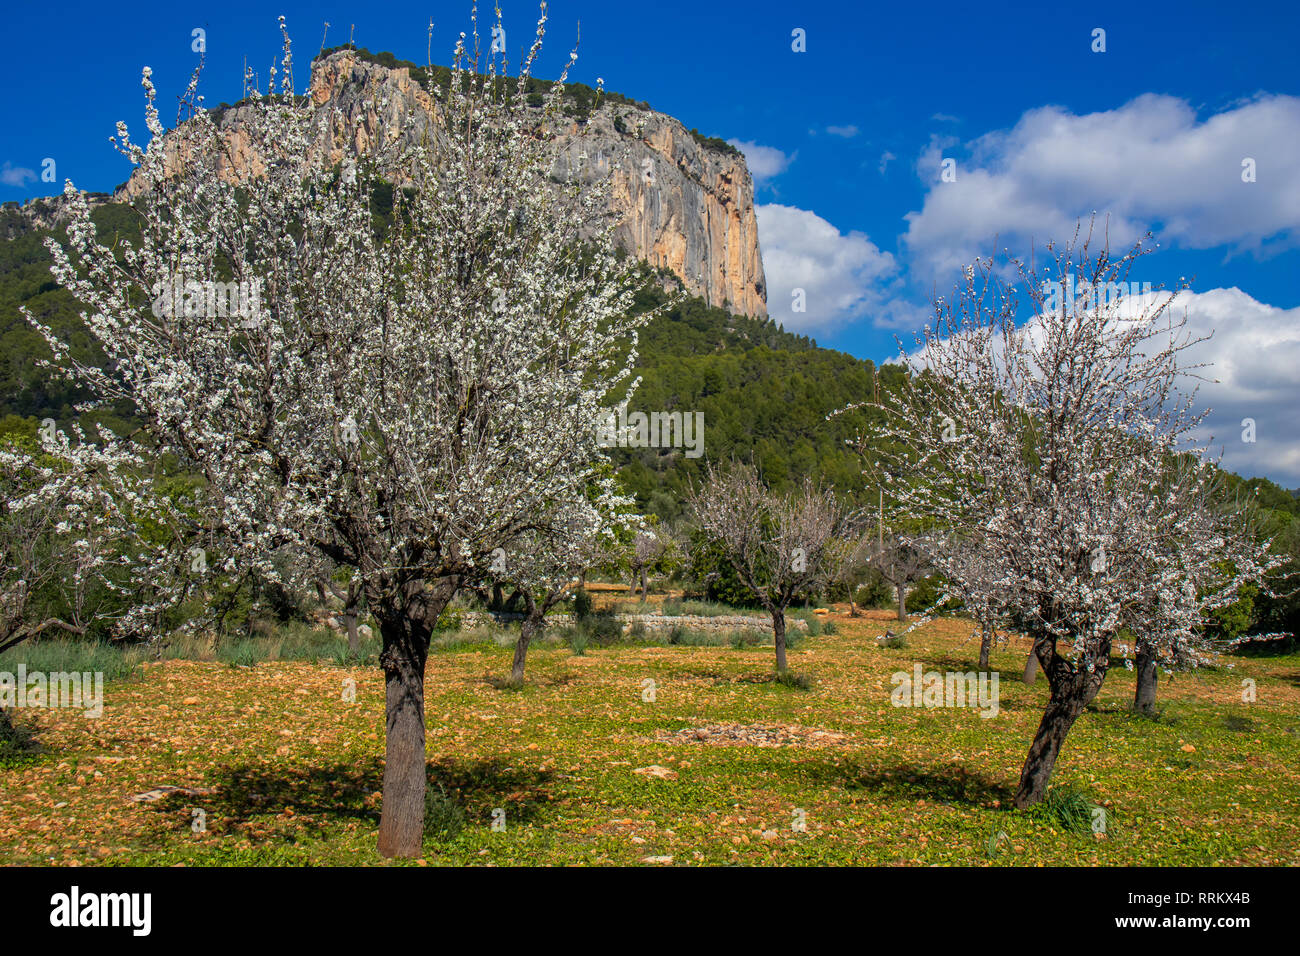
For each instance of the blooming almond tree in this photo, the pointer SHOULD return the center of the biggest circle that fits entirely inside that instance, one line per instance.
(83, 538)
(779, 545)
(976, 583)
(1193, 571)
(545, 563)
(1046, 445)
(403, 400)
(648, 547)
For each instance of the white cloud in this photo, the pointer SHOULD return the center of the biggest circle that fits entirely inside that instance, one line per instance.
(1255, 355)
(1150, 163)
(846, 132)
(19, 176)
(885, 158)
(843, 277)
(764, 162)
(1250, 359)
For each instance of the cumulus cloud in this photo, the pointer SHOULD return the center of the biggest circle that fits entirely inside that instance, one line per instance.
(845, 132)
(844, 277)
(764, 162)
(1149, 164)
(1250, 352)
(19, 176)
(1253, 355)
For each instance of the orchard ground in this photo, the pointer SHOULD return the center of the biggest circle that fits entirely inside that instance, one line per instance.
(723, 766)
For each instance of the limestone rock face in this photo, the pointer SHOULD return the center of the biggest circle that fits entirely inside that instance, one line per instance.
(680, 205)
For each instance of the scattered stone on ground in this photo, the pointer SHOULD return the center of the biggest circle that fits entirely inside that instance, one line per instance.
(754, 735)
(656, 771)
(157, 793)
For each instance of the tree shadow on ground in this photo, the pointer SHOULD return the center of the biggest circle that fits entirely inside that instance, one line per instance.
(276, 802)
(908, 782)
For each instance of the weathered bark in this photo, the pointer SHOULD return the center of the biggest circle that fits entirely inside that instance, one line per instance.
(1072, 690)
(406, 625)
(643, 584)
(778, 636)
(1058, 718)
(1148, 674)
(401, 825)
(529, 629)
(986, 645)
(902, 602)
(354, 636)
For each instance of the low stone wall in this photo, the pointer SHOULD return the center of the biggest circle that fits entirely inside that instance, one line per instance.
(724, 622)
(652, 622)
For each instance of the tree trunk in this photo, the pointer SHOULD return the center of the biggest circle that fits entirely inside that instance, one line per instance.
(527, 631)
(354, 638)
(1031, 668)
(1144, 700)
(643, 584)
(902, 602)
(406, 649)
(1058, 718)
(853, 608)
(986, 645)
(1072, 690)
(778, 636)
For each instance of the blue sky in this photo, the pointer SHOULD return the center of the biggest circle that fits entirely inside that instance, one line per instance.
(845, 140)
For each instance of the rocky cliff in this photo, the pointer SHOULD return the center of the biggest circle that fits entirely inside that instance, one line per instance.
(683, 204)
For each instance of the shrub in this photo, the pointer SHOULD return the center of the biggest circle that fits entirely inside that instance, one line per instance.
(448, 620)
(788, 678)
(16, 743)
(1067, 808)
(581, 605)
(443, 816)
(603, 628)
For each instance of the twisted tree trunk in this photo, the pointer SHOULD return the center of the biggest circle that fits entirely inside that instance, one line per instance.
(1072, 690)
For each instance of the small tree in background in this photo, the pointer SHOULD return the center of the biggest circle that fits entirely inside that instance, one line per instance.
(648, 548)
(1192, 575)
(779, 545)
(545, 565)
(901, 563)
